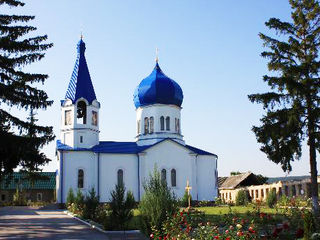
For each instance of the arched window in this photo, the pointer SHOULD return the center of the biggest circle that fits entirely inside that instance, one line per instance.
(94, 119)
(80, 178)
(81, 112)
(138, 126)
(177, 125)
(151, 125)
(162, 123)
(163, 175)
(173, 178)
(146, 125)
(168, 123)
(120, 177)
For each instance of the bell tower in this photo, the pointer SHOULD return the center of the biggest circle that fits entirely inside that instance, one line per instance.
(80, 108)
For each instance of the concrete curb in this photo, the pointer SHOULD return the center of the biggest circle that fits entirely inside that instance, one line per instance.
(98, 228)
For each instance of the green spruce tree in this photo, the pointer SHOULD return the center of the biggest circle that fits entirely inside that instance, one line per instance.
(293, 104)
(21, 139)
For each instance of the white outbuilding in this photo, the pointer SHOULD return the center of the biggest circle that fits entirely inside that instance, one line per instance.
(85, 162)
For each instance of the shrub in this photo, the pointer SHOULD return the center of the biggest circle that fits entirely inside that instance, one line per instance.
(121, 207)
(242, 198)
(91, 203)
(184, 201)
(156, 203)
(70, 197)
(78, 206)
(271, 199)
(19, 198)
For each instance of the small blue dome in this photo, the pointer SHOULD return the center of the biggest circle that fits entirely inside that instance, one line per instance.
(157, 88)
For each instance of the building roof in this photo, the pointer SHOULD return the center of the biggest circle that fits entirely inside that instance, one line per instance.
(287, 179)
(18, 180)
(80, 85)
(234, 181)
(125, 147)
(221, 180)
(157, 88)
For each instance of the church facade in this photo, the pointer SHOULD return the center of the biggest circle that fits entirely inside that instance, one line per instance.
(85, 162)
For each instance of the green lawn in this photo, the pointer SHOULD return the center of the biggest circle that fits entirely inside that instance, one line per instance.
(214, 214)
(219, 210)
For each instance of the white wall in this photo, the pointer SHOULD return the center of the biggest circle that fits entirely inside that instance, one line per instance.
(72, 162)
(156, 111)
(169, 155)
(206, 168)
(109, 166)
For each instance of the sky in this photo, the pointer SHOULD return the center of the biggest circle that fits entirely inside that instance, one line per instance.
(210, 47)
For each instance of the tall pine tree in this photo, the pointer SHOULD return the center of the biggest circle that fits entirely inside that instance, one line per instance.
(21, 139)
(293, 104)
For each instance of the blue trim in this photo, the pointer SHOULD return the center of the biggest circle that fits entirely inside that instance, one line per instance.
(61, 176)
(98, 185)
(126, 147)
(138, 177)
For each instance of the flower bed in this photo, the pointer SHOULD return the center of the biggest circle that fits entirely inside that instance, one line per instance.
(191, 224)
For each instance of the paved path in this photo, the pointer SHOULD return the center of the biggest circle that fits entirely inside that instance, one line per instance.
(37, 223)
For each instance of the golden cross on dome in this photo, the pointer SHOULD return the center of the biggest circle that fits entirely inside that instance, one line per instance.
(188, 188)
(157, 55)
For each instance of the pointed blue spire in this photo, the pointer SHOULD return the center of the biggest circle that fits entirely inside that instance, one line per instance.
(80, 85)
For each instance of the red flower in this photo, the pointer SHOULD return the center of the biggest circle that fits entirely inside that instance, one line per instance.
(216, 237)
(228, 238)
(285, 225)
(151, 235)
(239, 233)
(299, 233)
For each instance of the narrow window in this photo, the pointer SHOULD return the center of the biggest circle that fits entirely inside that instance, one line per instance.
(280, 191)
(163, 175)
(151, 125)
(120, 177)
(138, 126)
(80, 178)
(81, 112)
(177, 125)
(162, 123)
(257, 194)
(168, 123)
(94, 118)
(67, 117)
(39, 197)
(173, 178)
(293, 190)
(262, 193)
(146, 125)
(81, 139)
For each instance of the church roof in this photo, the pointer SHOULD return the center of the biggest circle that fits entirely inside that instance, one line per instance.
(80, 85)
(124, 148)
(157, 88)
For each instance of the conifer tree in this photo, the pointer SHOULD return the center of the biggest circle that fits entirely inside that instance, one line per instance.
(293, 105)
(21, 139)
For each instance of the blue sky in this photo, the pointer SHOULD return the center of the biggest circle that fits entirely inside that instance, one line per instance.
(211, 48)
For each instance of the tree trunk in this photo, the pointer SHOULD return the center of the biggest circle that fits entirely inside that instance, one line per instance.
(313, 160)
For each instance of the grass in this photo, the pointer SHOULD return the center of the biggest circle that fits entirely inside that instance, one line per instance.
(214, 213)
(220, 210)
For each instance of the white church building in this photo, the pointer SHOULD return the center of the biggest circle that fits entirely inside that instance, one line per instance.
(86, 162)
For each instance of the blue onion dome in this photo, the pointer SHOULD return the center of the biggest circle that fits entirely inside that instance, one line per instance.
(157, 88)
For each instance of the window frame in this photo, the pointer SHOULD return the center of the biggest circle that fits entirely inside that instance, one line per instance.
(167, 123)
(173, 174)
(80, 179)
(162, 127)
(120, 173)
